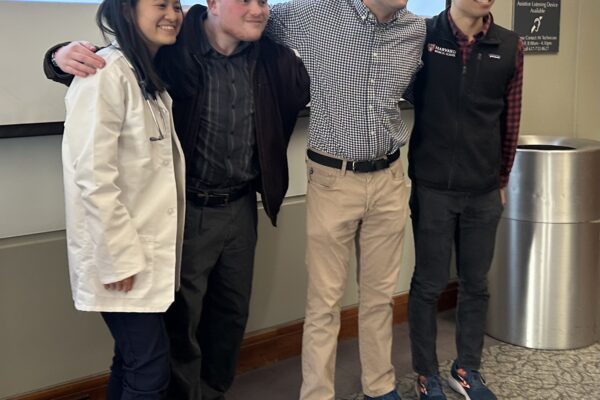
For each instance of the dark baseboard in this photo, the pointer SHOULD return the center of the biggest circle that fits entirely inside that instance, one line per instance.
(27, 130)
(92, 388)
(258, 350)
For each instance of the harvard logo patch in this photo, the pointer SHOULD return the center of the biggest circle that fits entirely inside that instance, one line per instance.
(434, 48)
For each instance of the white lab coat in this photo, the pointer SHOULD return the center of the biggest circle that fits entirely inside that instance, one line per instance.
(124, 193)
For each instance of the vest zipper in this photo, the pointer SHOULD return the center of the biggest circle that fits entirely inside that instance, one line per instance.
(476, 77)
(458, 126)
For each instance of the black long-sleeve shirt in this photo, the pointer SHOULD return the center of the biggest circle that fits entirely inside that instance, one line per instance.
(224, 155)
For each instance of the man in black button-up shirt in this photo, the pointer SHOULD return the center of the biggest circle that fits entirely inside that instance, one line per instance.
(224, 156)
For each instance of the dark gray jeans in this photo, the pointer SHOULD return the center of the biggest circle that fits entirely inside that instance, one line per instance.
(441, 220)
(206, 322)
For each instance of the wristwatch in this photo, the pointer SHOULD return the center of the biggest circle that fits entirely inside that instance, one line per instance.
(53, 60)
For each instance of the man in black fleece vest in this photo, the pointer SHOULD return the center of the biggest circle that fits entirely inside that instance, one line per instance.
(467, 102)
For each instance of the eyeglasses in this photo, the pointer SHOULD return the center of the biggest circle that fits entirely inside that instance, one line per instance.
(160, 136)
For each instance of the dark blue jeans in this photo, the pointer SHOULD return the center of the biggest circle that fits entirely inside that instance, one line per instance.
(140, 368)
(442, 220)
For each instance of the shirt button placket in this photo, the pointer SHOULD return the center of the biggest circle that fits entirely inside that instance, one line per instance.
(376, 67)
(371, 117)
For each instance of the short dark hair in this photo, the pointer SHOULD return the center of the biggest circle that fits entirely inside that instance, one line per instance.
(117, 18)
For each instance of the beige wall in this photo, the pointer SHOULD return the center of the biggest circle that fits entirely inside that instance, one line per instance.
(587, 80)
(562, 91)
(43, 341)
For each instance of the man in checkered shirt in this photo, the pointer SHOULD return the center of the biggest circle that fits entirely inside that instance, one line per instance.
(361, 56)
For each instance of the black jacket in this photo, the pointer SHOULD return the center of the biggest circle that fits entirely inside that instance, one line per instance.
(456, 142)
(281, 90)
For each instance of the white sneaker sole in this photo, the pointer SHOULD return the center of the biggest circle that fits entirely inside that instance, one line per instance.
(418, 392)
(457, 387)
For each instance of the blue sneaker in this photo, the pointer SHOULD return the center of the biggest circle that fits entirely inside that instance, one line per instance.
(429, 388)
(472, 385)
(393, 395)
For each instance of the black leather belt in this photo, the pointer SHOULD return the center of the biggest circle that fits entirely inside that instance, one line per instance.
(216, 199)
(356, 166)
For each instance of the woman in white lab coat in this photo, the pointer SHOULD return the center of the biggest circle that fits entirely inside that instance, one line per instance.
(124, 192)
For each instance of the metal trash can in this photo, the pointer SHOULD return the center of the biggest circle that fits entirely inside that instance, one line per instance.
(544, 280)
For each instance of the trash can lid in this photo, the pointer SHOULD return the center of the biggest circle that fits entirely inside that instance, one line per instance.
(554, 180)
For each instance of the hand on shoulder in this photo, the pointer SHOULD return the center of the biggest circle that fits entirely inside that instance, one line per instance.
(79, 59)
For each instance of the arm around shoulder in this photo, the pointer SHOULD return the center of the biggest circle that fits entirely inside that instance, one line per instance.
(289, 22)
(66, 60)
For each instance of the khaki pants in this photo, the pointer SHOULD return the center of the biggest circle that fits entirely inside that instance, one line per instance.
(347, 209)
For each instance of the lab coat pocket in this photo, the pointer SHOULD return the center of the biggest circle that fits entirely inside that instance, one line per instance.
(143, 280)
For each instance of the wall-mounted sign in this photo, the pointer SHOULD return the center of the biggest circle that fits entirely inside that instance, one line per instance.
(538, 24)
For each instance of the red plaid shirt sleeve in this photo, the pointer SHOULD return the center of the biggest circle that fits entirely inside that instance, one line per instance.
(511, 118)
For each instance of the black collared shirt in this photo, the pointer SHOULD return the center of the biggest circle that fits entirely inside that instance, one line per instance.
(225, 153)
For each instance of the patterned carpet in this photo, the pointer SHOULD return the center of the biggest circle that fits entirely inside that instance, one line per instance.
(516, 373)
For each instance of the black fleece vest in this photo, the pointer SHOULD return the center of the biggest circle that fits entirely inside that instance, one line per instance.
(456, 141)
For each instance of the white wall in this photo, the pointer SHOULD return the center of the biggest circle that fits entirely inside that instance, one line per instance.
(27, 30)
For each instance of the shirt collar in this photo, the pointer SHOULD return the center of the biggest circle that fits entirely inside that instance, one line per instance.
(366, 15)
(487, 22)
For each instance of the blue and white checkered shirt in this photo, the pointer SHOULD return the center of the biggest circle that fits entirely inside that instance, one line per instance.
(359, 69)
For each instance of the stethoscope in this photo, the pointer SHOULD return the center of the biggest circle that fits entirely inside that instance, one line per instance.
(149, 99)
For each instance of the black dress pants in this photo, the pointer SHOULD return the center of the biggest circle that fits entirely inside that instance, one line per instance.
(206, 322)
(441, 220)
